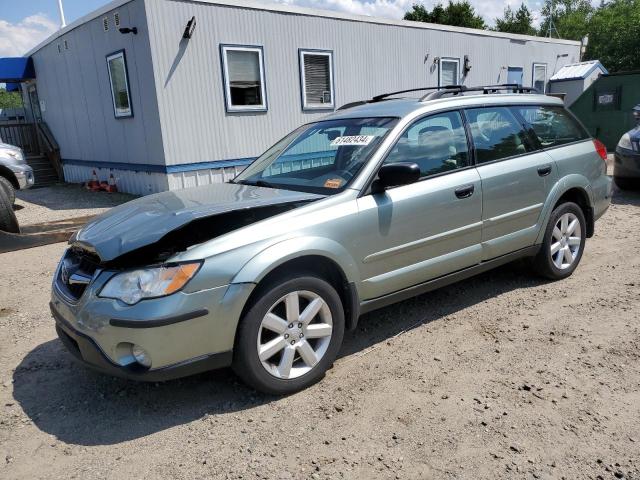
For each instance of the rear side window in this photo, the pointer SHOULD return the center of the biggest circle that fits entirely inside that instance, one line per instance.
(552, 125)
(497, 134)
(436, 143)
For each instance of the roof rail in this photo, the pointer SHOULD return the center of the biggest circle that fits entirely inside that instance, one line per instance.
(353, 104)
(384, 96)
(485, 89)
(444, 90)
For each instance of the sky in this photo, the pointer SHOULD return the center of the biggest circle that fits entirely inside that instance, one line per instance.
(25, 23)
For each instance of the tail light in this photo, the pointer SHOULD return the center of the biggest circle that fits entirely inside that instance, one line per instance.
(601, 149)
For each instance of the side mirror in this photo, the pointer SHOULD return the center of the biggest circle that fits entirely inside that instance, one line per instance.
(395, 174)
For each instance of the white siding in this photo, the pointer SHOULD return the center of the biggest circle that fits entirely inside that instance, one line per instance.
(369, 59)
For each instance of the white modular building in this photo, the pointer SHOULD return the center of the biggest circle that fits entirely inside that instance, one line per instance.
(166, 94)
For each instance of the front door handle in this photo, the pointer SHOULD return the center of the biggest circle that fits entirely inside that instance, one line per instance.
(544, 171)
(465, 192)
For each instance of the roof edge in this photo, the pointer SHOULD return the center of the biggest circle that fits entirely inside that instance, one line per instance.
(76, 23)
(314, 12)
(310, 12)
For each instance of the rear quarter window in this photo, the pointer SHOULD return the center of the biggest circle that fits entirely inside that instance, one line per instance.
(553, 126)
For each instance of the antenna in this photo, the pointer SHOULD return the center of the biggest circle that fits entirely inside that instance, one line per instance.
(63, 22)
(552, 25)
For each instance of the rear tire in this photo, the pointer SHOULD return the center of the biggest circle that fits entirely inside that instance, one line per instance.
(625, 183)
(8, 220)
(290, 335)
(8, 189)
(563, 244)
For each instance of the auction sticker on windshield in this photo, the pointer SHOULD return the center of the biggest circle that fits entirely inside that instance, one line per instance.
(352, 140)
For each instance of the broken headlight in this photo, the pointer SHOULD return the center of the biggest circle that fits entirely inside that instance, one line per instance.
(136, 285)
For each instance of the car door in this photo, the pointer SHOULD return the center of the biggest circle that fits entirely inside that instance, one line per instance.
(516, 179)
(417, 232)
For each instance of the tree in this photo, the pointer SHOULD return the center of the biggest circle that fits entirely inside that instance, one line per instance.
(570, 18)
(459, 14)
(10, 99)
(520, 21)
(613, 35)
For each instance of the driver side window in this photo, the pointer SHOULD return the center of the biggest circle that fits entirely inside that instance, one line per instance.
(436, 143)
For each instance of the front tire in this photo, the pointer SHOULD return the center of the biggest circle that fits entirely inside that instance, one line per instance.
(8, 220)
(564, 240)
(290, 335)
(7, 186)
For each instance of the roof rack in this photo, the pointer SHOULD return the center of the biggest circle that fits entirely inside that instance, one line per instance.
(485, 89)
(384, 96)
(444, 90)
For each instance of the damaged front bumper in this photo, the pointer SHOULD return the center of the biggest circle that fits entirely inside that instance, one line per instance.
(183, 333)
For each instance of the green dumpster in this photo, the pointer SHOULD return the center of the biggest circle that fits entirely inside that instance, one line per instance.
(606, 106)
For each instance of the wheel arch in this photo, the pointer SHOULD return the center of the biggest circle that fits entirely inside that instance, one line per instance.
(322, 257)
(573, 188)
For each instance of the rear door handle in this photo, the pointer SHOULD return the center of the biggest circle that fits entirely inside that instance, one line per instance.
(465, 191)
(544, 171)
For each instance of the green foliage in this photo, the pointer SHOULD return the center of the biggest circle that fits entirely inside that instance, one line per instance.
(519, 21)
(459, 14)
(614, 36)
(10, 99)
(612, 28)
(570, 18)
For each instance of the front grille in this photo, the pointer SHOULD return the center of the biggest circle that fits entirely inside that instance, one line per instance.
(77, 262)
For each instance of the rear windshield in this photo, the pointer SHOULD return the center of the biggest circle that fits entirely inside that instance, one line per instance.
(321, 157)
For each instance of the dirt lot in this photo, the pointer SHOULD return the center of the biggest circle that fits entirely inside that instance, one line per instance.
(63, 201)
(501, 376)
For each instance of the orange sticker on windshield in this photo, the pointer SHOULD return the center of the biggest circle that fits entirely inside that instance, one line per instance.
(333, 183)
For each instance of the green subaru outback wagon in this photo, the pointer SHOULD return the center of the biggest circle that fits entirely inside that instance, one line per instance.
(380, 201)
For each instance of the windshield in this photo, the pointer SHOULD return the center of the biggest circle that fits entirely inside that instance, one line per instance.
(321, 157)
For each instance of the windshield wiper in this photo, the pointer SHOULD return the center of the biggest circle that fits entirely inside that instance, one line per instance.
(258, 183)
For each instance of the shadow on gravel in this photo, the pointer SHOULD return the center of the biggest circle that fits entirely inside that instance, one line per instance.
(81, 407)
(385, 323)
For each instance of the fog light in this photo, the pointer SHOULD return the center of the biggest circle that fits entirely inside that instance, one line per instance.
(141, 355)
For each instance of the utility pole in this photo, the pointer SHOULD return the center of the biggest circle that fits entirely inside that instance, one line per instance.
(63, 22)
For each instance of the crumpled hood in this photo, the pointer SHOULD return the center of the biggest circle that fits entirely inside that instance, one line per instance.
(146, 220)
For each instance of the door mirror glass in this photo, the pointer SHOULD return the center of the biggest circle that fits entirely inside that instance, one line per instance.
(395, 174)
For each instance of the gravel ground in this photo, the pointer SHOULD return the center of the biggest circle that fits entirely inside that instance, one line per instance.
(63, 201)
(500, 376)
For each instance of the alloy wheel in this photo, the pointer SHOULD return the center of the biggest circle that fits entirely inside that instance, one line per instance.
(295, 334)
(566, 241)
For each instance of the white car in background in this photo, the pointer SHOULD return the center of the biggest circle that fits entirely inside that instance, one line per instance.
(15, 174)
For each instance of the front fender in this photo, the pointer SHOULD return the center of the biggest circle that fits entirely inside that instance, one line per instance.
(563, 185)
(268, 259)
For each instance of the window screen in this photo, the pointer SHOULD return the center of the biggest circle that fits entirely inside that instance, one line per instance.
(449, 72)
(317, 79)
(436, 144)
(539, 77)
(244, 78)
(496, 134)
(552, 125)
(119, 85)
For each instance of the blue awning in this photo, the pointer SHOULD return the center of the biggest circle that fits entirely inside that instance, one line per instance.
(13, 87)
(16, 69)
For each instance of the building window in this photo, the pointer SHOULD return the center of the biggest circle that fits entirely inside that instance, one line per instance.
(243, 76)
(539, 80)
(514, 75)
(449, 72)
(316, 79)
(117, 63)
